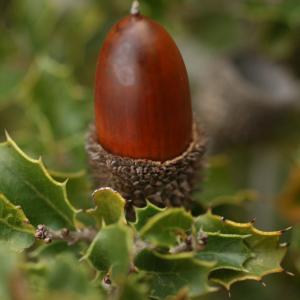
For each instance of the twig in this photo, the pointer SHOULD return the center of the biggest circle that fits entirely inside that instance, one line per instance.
(71, 237)
(191, 243)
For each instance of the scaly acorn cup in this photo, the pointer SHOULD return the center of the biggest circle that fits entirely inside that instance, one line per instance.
(144, 143)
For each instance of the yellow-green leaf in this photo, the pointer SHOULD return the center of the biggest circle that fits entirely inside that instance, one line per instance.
(109, 207)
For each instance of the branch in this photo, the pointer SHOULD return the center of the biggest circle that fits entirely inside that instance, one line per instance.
(71, 237)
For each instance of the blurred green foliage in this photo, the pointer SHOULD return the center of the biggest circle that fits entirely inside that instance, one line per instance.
(48, 53)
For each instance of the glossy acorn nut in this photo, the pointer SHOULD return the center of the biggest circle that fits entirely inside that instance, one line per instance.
(144, 143)
(142, 97)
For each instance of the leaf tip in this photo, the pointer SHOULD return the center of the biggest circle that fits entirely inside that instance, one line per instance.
(286, 229)
(7, 136)
(289, 273)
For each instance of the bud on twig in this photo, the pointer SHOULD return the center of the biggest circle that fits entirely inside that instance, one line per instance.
(71, 237)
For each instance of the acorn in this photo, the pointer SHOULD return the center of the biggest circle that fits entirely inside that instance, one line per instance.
(144, 143)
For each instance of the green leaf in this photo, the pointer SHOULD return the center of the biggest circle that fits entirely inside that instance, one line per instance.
(78, 187)
(228, 251)
(27, 183)
(220, 187)
(266, 247)
(61, 276)
(169, 274)
(144, 214)
(14, 230)
(78, 191)
(164, 228)
(109, 207)
(111, 250)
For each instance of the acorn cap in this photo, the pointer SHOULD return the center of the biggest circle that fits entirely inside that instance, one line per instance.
(166, 183)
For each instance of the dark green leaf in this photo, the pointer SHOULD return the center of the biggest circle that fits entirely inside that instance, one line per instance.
(169, 274)
(78, 187)
(111, 250)
(26, 182)
(144, 214)
(267, 250)
(228, 251)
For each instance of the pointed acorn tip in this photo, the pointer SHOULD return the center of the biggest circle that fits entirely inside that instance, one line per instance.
(135, 8)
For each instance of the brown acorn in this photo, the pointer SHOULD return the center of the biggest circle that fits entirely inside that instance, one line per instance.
(144, 143)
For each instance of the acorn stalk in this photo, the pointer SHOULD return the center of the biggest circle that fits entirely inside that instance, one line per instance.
(144, 143)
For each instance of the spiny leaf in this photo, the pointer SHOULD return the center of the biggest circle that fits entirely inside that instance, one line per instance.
(163, 228)
(213, 223)
(78, 187)
(145, 213)
(268, 253)
(109, 207)
(228, 251)
(14, 230)
(168, 274)
(27, 183)
(107, 256)
(78, 191)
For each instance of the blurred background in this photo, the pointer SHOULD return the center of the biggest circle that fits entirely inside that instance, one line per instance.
(243, 58)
